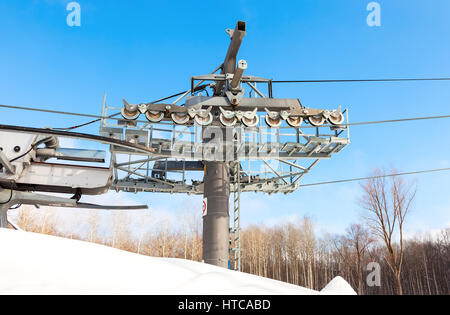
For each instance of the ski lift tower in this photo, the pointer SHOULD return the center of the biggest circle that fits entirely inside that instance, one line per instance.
(230, 136)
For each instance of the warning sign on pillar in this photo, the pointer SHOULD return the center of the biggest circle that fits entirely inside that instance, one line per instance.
(205, 206)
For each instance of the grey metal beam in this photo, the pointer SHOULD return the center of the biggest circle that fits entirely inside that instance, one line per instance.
(292, 164)
(138, 161)
(275, 171)
(229, 65)
(144, 176)
(141, 186)
(10, 198)
(245, 104)
(4, 216)
(6, 164)
(306, 171)
(256, 90)
(70, 154)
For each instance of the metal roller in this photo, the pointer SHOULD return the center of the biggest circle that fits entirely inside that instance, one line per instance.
(204, 120)
(294, 121)
(154, 116)
(130, 111)
(273, 119)
(250, 119)
(227, 117)
(336, 117)
(180, 118)
(250, 122)
(203, 117)
(316, 120)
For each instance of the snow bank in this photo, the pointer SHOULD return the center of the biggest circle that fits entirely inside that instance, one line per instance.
(338, 286)
(41, 264)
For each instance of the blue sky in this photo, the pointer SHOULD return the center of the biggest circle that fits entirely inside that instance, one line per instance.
(144, 50)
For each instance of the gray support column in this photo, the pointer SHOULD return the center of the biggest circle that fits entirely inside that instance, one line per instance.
(3, 216)
(216, 221)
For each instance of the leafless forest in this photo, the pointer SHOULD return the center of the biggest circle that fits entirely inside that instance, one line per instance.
(290, 252)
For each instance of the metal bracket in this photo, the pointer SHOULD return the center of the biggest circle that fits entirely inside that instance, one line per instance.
(6, 164)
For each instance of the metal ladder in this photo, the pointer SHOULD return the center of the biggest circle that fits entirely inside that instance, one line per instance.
(236, 230)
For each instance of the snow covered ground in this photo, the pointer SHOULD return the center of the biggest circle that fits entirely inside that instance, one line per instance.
(41, 264)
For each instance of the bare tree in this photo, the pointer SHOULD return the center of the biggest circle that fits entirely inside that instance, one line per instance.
(360, 239)
(307, 249)
(94, 219)
(144, 219)
(388, 201)
(25, 219)
(121, 237)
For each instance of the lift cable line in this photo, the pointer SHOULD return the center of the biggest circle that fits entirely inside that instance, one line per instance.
(99, 117)
(361, 80)
(274, 81)
(389, 121)
(375, 177)
(77, 135)
(202, 87)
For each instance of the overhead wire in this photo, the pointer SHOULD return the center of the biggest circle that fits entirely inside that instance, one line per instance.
(375, 177)
(387, 121)
(201, 87)
(106, 117)
(361, 80)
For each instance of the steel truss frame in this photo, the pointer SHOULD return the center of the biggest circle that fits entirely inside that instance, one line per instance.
(272, 160)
